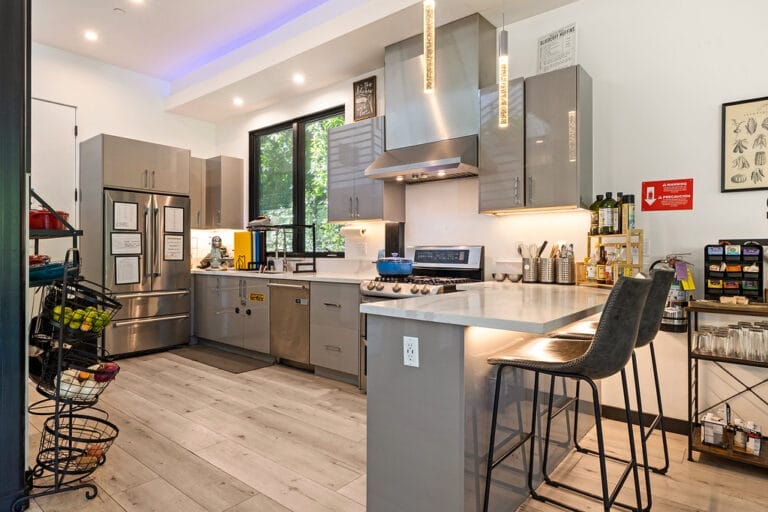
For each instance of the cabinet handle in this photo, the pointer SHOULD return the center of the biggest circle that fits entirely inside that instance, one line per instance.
(218, 216)
(198, 217)
(153, 179)
(237, 310)
(146, 178)
(530, 189)
(357, 207)
(333, 348)
(291, 286)
(332, 305)
(351, 210)
(516, 187)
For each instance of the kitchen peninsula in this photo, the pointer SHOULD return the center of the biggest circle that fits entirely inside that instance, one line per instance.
(428, 425)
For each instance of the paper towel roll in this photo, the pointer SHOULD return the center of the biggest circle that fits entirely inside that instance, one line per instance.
(353, 233)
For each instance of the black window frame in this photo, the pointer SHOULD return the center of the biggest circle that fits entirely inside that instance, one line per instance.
(299, 175)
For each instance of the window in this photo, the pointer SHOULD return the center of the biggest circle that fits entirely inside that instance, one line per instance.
(289, 180)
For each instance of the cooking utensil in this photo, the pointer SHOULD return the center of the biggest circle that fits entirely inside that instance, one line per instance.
(541, 249)
(520, 250)
(394, 266)
(533, 250)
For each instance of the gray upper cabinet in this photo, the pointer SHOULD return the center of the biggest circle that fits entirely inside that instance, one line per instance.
(558, 139)
(501, 156)
(352, 195)
(197, 193)
(137, 165)
(223, 193)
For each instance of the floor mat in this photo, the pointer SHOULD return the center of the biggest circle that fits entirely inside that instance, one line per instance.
(221, 359)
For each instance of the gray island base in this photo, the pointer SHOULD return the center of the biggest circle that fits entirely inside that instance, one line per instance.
(428, 426)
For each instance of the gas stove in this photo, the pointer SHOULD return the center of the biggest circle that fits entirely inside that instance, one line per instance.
(436, 270)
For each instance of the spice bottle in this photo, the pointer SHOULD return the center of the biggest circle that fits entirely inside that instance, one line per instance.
(594, 209)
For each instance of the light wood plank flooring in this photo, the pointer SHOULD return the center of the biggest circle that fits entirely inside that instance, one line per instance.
(195, 438)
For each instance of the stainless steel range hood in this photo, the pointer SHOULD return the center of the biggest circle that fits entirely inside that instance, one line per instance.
(434, 136)
(453, 158)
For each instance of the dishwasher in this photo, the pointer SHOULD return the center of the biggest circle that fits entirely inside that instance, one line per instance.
(289, 321)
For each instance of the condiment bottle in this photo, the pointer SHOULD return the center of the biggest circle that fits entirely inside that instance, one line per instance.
(606, 214)
(617, 212)
(610, 269)
(601, 260)
(628, 213)
(594, 209)
(591, 268)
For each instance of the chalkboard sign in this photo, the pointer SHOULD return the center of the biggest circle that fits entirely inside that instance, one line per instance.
(364, 94)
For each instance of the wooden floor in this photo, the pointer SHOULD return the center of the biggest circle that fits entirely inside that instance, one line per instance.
(195, 438)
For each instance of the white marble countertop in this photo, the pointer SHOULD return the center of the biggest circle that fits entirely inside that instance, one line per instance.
(534, 308)
(324, 277)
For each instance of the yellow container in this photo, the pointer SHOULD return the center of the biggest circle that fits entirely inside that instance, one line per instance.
(243, 253)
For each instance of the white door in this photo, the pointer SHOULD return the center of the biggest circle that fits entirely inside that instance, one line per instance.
(54, 173)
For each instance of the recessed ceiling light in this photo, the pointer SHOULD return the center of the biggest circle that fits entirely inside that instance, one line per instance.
(118, 10)
(298, 78)
(90, 35)
(137, 1)
(237, 101)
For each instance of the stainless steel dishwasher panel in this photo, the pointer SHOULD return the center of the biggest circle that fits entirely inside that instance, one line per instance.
(289, 320)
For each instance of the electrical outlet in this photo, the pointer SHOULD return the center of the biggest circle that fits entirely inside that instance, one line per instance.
(411, 351)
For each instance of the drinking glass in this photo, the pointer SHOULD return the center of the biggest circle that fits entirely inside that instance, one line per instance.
(734, 341)
(755, 344)
(720, 342)
(704, 341)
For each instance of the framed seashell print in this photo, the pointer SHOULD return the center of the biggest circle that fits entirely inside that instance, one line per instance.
(745, 144)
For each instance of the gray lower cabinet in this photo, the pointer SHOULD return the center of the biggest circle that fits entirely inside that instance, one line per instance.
(224, 193)
(335, 327)
(558, 138)
(233, 311)
(352, 195)
(196, 193)
(136, 165)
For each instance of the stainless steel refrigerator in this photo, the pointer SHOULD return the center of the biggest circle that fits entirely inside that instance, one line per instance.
(144, 251)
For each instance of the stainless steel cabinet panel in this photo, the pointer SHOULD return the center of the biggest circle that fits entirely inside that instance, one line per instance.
(205, 313)
(139, 334)
(226, 307)
(139, 165)
(289, 320)
(197, 193)
(256, 315)
(558, 138)
(352, 195)
(224, 192)
(501, 159)
(335, 327)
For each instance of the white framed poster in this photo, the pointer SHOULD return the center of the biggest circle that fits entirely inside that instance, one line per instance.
(557, 49)
(126, 270)
(125, 243)
(125, 216)
(173, 247)
(173, 219)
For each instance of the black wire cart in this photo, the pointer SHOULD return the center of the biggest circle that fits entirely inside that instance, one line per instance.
(67, 365)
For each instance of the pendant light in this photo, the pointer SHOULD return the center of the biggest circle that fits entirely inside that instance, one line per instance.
(429, 46)
(503, 76)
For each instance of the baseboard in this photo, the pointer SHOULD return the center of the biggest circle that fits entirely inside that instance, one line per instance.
(670, 424)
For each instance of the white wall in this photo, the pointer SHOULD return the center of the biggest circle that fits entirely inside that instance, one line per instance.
(115, 101)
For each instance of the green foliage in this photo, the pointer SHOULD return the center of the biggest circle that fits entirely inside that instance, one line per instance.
(276, 181)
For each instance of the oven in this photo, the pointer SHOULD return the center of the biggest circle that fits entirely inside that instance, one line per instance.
(436, 270)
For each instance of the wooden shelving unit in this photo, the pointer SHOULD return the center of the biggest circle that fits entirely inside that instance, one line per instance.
(632, 242)
(695, 409)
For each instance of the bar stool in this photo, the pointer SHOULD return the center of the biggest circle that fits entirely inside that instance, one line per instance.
(649, 328)
(605, 355)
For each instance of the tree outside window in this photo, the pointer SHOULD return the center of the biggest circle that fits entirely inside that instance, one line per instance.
(289, 176)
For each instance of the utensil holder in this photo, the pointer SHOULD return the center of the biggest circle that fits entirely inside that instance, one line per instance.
(565, 271)
(546, 270)
(530, 270)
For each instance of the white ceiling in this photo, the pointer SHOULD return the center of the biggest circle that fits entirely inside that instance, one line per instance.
(211, 51)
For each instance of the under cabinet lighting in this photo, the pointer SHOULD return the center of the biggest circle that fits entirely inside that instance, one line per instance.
(441, 173)
(399, 178)
(90, 35)
(429, 46)
(299, 79)
(238, 101)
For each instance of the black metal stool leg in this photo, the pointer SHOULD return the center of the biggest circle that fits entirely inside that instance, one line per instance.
(576, 420)
(631, 431)
(659, 421)
(545, 457)
(643, 438)
(534, 417)
(494, 419)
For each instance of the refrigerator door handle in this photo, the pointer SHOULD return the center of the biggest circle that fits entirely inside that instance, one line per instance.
(158, 246)
(148, 251)
(122, 323)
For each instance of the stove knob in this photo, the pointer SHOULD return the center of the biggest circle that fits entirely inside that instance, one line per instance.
(371, 285)
(414, 289)
(425, 290)
(396, 288)
(380, 286)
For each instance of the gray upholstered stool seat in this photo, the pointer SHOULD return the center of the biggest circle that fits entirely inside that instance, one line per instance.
(649, 328)
(606, 354)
